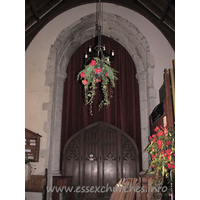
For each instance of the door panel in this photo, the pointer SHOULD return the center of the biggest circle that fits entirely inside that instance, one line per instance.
(110, 152)
(99, 155)
(91, 179)
(91, 153)
(129, 158)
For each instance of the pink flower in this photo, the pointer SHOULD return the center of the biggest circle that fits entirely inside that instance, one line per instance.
(82, 75)
(93, 63)
(106, 74)
(97, 70)
(84, 82)
(153, 156)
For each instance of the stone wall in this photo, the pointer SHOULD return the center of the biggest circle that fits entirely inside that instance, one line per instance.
(125, 33)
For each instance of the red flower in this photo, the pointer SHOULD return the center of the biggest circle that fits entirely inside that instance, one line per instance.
(97, 70)
(154, 136)
(153, 156)
(168, 152)
(169, 142)
(84, 82)
(153, 166)
(160, 133)
(162, 152)
(159, 142)
(156, 129)
(160, 146)
(169, 157)
(106, 74)
(174, 154)
(82, 75)
(93, 62)
(98, 80)
(171, 166)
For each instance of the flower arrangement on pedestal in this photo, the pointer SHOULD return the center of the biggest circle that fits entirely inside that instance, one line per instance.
(162, 152)
(98, 71)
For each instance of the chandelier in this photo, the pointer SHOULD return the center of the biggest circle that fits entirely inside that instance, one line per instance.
(97, 70)
(99, 50)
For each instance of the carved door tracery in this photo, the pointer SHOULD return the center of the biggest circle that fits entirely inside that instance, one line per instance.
(99, 155)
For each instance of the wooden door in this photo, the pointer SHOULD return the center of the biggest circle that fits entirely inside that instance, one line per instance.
(97, 157)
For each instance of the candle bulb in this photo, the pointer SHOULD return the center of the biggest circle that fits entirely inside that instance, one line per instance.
(86, 56)
(112, 54)
(104, 48)
(90, 49)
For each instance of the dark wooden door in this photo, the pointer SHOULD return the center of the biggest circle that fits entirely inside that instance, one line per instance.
(97, 157)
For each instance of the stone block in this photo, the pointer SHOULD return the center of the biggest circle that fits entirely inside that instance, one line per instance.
(150, 71)
(151, 93)
(143, 105)
(141, 52)
(150, 81)
(133, 40)
(138, 64)
(109, 17)
(152, 104)
(150, 60)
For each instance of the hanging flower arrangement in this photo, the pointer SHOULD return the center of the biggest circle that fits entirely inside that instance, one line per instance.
(162, 152)
(98, 71)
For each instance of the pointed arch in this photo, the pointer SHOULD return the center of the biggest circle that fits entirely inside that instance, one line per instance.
(125, 33)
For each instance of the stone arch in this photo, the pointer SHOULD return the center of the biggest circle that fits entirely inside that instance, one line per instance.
(67, 42)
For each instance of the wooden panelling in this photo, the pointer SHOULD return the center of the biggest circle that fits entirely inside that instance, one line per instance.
(32, 146)
(99, 155)
(37, 183)
(167, 117)
(62, 182)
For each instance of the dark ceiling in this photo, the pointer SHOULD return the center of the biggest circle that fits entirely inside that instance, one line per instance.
(160, 12)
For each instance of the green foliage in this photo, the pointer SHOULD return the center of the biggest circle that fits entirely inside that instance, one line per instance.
(98, 71)
(162, 152)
